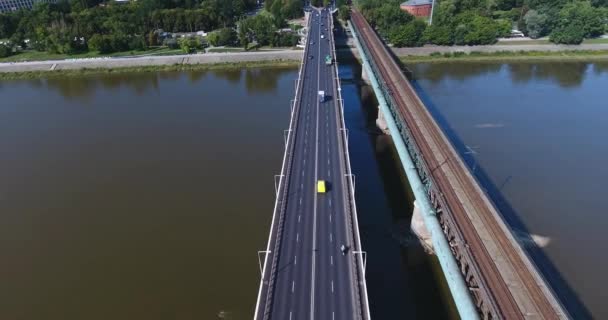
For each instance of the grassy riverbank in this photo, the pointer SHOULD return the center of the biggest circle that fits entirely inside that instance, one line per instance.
(173, 67)
(509, 56)
(32, 55)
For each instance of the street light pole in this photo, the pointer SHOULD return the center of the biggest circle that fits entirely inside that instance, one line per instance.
(432, 10)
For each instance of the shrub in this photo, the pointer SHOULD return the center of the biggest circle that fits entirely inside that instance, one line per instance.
(5, 51)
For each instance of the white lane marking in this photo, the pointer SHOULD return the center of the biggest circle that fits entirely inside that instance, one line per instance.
(300, 200)
(327, 161)
(332, 286)
(314, 219)
(297, 237)
(289, 315)
(302, 175)
(331, 238)
(295, 260)
(333, 315)
(293, 286)
(301, 185)
(331, 260)
(299, 216)
(330, 218)
(304, 158)
(330, 203)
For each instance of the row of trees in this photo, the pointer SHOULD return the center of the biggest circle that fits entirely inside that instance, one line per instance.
(262, 30)
(284, 9)
(452, 24)
(566, 22)
(475, 22)
(71, 26)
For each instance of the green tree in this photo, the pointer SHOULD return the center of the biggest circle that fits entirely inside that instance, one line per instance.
(573, 33)
(474, 29)
(260, 28)
(536, 24)
(222, 37)
(189, 44)
(100, 43)
(344, 12)
(386, 17)
(5, 51)
(439, 35)
(576, 21)
(408, 35)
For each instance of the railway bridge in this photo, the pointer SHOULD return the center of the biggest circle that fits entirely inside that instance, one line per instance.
(488, 273)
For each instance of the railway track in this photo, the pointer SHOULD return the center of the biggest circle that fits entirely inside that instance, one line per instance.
(502, 279)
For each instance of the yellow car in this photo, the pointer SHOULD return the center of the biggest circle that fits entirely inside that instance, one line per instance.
(321, 186)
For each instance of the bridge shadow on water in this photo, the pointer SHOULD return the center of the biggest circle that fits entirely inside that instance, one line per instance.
(557, 283)
(402, 279)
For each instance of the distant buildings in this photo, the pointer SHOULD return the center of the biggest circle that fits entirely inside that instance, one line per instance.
(14, 5)
(418, 8)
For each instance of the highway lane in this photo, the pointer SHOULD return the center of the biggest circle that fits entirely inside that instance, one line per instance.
(335, 277)
(291, 298)
(314, 280)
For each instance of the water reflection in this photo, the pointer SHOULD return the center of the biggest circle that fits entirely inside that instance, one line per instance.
(565, 74)
(83, 88)
(117, 193)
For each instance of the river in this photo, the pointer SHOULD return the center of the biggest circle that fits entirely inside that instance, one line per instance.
(535, 135)
(148, 195)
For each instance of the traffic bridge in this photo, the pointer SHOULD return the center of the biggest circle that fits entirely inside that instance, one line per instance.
(313, 266)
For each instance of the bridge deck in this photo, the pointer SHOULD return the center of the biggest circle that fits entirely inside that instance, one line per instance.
(305, 274)
(506, 273)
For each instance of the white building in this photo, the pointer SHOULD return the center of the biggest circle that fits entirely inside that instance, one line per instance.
(14, 5)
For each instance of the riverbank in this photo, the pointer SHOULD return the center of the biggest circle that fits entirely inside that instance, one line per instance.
(149, 68)
(505, 56)
(149, 63)
(549, 48)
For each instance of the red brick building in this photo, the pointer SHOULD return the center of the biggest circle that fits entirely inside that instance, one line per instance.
(418, 8)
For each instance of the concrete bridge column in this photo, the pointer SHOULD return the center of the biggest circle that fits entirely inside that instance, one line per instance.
(419, 229)
(364, 75)
(381, 122)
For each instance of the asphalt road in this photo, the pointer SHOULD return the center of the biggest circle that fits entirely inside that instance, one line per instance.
(314, 279)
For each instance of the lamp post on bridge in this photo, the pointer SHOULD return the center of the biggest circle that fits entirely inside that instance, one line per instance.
(363, 258)
(264, 252)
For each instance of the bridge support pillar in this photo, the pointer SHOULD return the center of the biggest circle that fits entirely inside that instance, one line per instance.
(419, 229)
(364, 75)
(381, 122)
